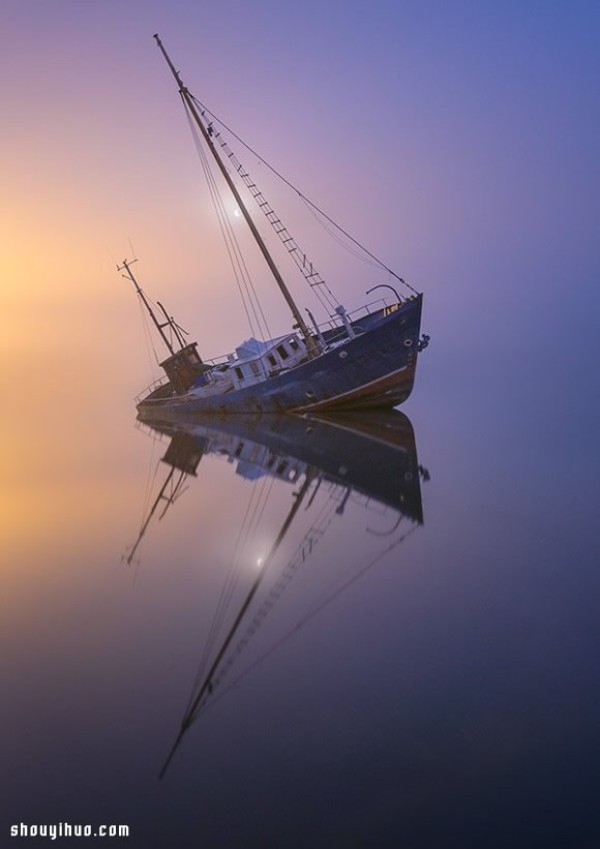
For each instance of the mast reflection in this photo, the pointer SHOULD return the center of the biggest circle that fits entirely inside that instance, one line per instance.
(370, 458)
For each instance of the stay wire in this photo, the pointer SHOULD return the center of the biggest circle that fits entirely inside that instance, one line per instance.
(221, 219)
(232, 244)
(148, 337)
(253, 519)
(319, 287)
(337, 239)
(224, 598)
(246, 529)
(247, 525)
(226, 590)
(312, 614)
(305, 198)
(315, 533)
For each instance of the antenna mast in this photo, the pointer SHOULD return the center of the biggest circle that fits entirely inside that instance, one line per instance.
(129, 274)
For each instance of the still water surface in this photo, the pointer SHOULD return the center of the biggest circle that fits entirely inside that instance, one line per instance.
(367, 633)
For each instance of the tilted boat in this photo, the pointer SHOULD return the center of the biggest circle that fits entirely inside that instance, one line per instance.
(360, 360)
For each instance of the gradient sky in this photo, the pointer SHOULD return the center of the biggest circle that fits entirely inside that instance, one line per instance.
(458, 140)
(444, 135)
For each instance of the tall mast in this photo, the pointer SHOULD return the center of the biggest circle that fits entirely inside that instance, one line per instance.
(311, 345)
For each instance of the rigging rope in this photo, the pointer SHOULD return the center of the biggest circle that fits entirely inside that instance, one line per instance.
(150, 479)
(148, 336)
(305, 198)
(259, 496)
(337, 239)
(324, 294)
(251, 303)
(304, 549)
(311, 614)
(248, 527)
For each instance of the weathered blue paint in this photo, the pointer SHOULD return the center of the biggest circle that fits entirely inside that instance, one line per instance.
(374, 370)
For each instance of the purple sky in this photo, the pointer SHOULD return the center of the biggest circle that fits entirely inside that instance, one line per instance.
(457, 140)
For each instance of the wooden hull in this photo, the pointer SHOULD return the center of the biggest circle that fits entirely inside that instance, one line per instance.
(375, 370)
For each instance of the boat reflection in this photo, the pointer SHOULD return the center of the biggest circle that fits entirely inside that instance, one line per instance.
(368, 460)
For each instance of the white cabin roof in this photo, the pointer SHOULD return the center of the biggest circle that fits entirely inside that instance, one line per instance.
(252, 349)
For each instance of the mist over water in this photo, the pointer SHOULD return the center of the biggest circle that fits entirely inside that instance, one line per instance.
(417, 665)
(434, 681)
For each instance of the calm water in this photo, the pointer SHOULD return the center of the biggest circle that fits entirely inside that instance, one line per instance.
(413, 664)
(403, 615)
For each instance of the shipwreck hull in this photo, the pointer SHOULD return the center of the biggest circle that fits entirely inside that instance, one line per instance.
(375, 370)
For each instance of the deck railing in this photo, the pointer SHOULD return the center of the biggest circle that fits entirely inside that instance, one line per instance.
(333, 324)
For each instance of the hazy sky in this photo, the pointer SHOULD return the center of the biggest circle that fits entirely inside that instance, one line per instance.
(457, 140)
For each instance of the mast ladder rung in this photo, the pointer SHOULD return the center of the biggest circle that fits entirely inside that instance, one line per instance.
(311, 276)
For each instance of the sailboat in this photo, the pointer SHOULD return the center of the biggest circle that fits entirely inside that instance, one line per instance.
(364, 359)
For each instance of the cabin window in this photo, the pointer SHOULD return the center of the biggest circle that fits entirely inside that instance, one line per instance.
(239, 372)
(272, 360)
(293, 344)
(282, 352)
(254, 368)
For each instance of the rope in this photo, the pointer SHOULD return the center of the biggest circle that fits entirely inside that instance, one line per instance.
(336, 238)
(250, 300)
(311, 615)
(252, 516)
(322, 291)
(306, 199)
(316, 532)
(149, 340)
